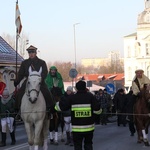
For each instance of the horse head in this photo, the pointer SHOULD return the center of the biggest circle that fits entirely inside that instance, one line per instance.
(33, 84)
(57, 93)
(146, 94)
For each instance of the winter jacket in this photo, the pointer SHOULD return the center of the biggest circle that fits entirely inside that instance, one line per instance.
(58, 81)
(82, 104)
(139, 81)
(35, 63)
(7, 110)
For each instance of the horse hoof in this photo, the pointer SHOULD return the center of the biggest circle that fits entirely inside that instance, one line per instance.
(55, 142)
(51, 141)
(139, 141)
(146, 143)
(62, 140)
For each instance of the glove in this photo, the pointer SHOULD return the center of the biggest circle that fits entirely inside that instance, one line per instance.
(15, 83)
(139, 94)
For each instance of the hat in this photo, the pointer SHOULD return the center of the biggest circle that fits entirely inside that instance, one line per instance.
(5, 92)
(139, 70)
(69, 88)
(81, 85)
(52, 68)
(31, 48)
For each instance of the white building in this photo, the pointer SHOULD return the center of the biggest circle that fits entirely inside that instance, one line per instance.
(137, 47)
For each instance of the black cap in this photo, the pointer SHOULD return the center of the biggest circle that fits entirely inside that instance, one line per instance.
(31, 48)
(81, 85)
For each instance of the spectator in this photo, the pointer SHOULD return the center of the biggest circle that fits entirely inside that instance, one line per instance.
(7, 117)
(120, 103)
(67, 118)
(110, 103)
(102, 99)
(129, 111)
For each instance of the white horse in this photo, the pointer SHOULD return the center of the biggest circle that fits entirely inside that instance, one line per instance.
(33, 112)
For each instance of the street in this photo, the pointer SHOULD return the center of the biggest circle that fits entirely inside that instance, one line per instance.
(106, 137)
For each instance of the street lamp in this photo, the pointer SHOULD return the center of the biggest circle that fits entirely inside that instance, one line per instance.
(75, 42)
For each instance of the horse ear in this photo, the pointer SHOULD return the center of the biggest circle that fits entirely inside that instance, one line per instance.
(30, 70)
(40, 71)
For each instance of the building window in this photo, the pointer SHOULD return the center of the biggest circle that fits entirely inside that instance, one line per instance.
(147, 47)
(129, 51)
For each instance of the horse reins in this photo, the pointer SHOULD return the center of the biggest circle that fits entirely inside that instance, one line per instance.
(34, 89)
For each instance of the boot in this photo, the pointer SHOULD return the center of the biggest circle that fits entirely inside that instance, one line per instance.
(68, 138)
(56, 138)
(71, 140)
(12, 134)
(3, 140)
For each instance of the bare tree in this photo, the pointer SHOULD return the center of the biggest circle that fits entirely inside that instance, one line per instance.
(9, 39)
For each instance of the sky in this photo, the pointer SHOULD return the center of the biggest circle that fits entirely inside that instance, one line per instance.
(49, 25)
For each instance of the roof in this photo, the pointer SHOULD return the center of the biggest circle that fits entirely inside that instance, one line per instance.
(130, 35)
(8, 54)
(112, 76)
(95, 77)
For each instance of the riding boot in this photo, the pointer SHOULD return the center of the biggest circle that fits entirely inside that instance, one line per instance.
(47, 96)
(3, 140)
(68, 138)
(56, 138)
(12, 134)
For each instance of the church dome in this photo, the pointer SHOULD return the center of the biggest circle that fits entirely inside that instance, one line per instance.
(144, 17)
(143, 21)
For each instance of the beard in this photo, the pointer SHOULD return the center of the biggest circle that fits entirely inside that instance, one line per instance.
(53, 74)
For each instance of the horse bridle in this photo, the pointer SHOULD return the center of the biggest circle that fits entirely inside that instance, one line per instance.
(28, 92)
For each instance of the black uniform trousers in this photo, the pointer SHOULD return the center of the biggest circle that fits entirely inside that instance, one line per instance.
(79, 138)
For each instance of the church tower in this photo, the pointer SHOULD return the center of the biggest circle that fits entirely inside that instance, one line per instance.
(137, 47)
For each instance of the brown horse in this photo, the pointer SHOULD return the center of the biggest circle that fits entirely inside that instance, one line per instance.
(142, 118)
(56, 118)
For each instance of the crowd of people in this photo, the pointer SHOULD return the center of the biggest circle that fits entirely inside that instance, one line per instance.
(80, 110)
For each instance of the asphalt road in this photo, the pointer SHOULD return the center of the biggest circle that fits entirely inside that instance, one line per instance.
(106, 137)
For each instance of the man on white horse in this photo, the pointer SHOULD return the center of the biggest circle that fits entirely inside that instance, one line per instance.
(35, 64)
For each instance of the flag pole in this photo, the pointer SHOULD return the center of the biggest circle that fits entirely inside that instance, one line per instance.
(16, 46)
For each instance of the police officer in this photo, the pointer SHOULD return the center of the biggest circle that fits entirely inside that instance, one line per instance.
(35, 64)
(83, 104)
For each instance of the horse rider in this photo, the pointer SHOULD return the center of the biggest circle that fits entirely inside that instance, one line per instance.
(7, 117)
(23, 73)
(82, 104)
(54, 79)
(138, 82)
